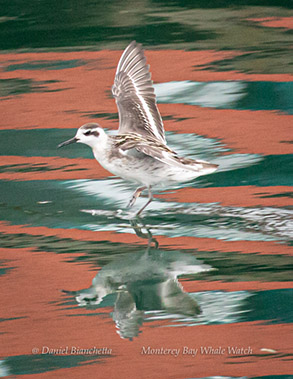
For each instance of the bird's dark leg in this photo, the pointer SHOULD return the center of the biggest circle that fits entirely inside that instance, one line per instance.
(138, 231)
(147, 203)
(135, 196)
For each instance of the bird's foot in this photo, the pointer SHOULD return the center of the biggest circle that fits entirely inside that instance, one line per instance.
(131, 202)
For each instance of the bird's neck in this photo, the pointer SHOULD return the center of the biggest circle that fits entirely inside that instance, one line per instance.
(101, 148)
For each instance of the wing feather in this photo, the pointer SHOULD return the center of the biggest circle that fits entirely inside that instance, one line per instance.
(161, 152)
(135, 96)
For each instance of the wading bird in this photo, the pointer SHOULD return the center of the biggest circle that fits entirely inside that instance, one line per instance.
(138, 153)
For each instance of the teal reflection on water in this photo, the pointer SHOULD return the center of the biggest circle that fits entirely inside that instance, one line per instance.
(15, 86)
(229, 95)
(95, 205)
(40, 363)
(44, 142)
(45, 65)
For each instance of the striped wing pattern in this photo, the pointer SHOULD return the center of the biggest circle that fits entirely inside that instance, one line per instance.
(135, 97)
(159, 151)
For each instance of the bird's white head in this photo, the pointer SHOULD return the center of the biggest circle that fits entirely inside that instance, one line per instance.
(90, 134)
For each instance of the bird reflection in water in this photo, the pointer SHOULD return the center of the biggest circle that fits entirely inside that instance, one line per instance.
(144, 282)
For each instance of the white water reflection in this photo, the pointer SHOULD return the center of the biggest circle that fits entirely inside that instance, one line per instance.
(210, 220)
(195, 146)
(4, 369)
(218, 307)
(209, 94)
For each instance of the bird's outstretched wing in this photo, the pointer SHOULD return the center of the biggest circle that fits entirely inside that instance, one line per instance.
(135, 97)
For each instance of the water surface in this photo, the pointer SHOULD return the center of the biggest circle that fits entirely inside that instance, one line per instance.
(201, 285)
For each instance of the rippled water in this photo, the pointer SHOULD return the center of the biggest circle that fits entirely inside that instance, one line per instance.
(201, 285)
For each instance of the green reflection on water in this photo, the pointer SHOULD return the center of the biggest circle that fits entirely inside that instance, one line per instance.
(273, 170)
(40, 363)
(44, 142)
(176, 25)
(89, 205)
(12, 87)
(43, 65)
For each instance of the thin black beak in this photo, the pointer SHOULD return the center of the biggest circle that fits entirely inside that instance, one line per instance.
(72, 140)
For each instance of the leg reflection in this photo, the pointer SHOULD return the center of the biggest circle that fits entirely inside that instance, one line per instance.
(137, 224)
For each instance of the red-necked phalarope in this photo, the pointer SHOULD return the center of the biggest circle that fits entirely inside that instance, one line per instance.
(138, 152)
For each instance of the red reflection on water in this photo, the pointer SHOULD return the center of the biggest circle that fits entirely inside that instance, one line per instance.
(35, 283)
(51, 168)
(74, 96)
(201, 244)
(275, 22)
(241, 196)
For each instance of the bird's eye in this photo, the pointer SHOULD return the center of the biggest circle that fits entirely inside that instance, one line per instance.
(87, 133)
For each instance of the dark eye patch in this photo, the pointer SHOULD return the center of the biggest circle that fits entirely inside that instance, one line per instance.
(87, 133)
